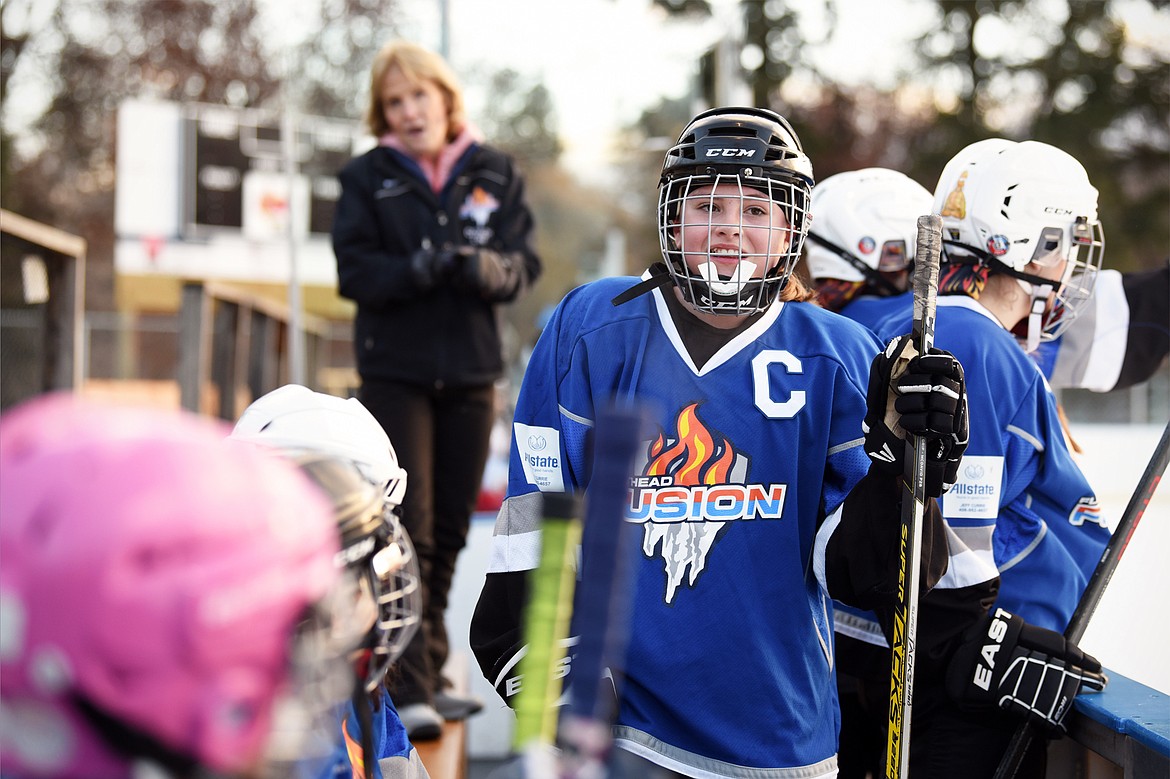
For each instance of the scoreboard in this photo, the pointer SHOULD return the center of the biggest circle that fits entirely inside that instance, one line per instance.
(218, 192)
(235, 171)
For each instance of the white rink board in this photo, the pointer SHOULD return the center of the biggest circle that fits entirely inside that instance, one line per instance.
(1130, 631)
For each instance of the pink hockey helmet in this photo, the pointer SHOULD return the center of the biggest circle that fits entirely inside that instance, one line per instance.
(153, 579)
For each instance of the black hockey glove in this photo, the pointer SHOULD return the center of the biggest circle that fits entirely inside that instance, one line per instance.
(924, 395)
(431, 268)
(1028, 670)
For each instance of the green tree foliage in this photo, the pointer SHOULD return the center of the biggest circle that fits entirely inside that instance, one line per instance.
(519, 118)
(1070, 74)
(1066, 72)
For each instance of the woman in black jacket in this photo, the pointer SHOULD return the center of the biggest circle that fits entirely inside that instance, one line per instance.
(431, 235)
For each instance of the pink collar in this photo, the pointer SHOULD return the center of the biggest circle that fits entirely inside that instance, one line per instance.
(438, 171)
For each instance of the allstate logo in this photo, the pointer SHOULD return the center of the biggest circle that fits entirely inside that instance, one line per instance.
(973, 472)
(997, 245)
(537, 443)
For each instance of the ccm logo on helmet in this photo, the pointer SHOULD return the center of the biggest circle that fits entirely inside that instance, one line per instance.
(731, 152)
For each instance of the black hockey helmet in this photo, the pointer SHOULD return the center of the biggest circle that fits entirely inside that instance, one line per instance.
(752, 148)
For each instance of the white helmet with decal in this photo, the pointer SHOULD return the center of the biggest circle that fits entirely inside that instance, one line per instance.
(864, 222)
(1020, 207)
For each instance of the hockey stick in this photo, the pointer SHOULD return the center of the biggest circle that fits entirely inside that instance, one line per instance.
(546, 622)
(926, 259)
(1095, 589)
(609, 548)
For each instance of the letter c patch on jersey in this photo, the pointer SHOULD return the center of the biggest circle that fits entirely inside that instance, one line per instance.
(776, 408)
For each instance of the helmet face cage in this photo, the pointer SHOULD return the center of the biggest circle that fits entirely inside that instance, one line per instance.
(1080, 277)
(689, 202)
(304, 736)
(394, 568)
(739, 149)
(377, 553)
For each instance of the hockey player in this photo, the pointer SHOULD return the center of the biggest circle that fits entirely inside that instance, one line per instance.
(861, 244)
(169, 602)
(340, 445)
(759, 398)
(1022, 248)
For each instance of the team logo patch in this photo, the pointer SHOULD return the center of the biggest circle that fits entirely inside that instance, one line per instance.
(478, 208)
(997, 245)
(1086, 510)
(694, 484)
(866, 245)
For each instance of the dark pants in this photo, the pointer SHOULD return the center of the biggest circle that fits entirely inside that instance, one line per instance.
(441, 437)
(945, 741)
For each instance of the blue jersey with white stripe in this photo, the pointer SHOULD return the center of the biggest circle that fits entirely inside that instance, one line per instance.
(1020, 501)
(729, 670)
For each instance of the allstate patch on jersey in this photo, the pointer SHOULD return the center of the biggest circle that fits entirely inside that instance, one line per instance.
(976, 494)
(1086, 510)
(540, 454)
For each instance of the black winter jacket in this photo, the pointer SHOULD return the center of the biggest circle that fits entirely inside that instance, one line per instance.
(447, 336)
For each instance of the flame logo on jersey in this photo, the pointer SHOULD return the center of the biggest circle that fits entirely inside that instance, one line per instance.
(354, 750)
(1086, 510)
(692, 487)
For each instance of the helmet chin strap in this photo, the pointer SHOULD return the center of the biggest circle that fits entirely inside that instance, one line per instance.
(1039, 296)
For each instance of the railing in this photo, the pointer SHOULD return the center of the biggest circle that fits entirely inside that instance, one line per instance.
(230, 339)
(1121, 733)
(49, 267)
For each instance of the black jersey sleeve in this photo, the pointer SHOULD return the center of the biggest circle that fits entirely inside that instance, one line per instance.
(1148, 295)
(862, 560)
(496, 633)
(862, 555)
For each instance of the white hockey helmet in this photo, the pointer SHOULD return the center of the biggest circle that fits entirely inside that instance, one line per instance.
(322, 432)
(864, 223)
(1007, 205)
(296, 417)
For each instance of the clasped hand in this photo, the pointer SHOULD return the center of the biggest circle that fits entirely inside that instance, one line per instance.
(454, 265)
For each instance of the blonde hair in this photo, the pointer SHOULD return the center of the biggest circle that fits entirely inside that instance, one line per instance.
(796, 291)
(417, 64)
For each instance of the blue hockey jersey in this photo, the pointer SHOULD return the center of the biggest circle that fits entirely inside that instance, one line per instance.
(397, 758)
(870, 310)
(1021, 503)
(730, 665)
